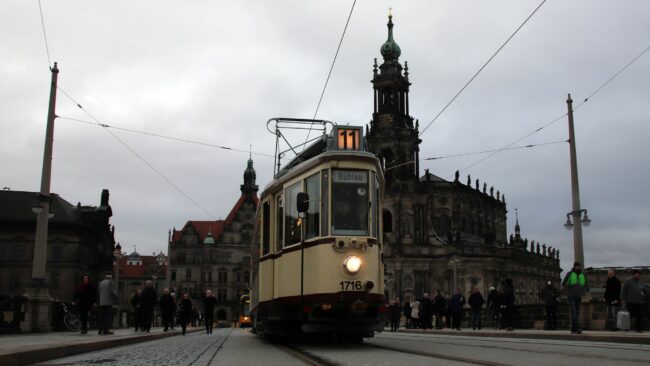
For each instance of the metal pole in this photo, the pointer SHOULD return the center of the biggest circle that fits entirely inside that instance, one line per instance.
(575, 190)
(40, 245)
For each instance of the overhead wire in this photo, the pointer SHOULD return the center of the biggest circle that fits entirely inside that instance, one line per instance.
(329, 74)
(489, 151)
(481, 69)
(142, 159)
(47, 48)
(587, 99)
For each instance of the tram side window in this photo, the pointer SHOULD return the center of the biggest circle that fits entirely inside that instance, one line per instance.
(266, 228)
(324, 201)
(291, 223)
(278, 220)
(350, 202)
(312, 223)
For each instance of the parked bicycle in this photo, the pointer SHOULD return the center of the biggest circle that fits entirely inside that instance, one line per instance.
(70, 320)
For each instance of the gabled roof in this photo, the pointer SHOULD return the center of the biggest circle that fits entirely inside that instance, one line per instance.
(140, 271)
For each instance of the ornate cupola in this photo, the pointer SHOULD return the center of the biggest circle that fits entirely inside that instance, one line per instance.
(393, 135)
(249, 187)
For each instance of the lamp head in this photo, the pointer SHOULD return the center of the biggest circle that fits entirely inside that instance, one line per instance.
(568, 224)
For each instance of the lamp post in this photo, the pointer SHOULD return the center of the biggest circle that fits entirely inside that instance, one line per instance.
(578, 219)
(37, 307)
(454, 262)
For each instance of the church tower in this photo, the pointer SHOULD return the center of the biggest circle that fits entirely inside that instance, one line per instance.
(249, 188)
(392, 136)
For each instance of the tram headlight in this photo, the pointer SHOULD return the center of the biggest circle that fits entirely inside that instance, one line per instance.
(352, 264)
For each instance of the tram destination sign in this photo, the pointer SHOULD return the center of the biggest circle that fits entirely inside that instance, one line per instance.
(350, 176)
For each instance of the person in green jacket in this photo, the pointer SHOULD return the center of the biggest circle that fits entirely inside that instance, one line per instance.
(575, 282)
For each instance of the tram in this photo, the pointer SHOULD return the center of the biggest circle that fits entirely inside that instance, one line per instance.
(319, 266)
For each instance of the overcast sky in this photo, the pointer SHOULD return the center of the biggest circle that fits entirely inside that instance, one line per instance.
(215, 71)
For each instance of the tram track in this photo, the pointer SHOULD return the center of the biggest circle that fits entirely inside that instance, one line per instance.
(306, 357)
(218, 343)
(439, 356)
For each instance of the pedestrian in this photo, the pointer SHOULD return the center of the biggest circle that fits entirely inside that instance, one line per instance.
(494, 306)
(632, 294)
(173, 322)
(439, 307)
(406, 310)
(167, 307)
(575, 282)
(185, 312)
(107, 298)
(415, 313)
(476, 302)
(395, 315)
(209, 303)
(456, 306)
(448, 309)
(136, 304)
(426, 311)
(149, 300)
(85, 296)
(508, 305)
(195, 317)
(612, 298)
(549, 295)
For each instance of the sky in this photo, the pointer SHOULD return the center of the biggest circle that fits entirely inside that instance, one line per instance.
(216, 71)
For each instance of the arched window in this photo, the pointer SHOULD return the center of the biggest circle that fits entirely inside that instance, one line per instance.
(387, 219)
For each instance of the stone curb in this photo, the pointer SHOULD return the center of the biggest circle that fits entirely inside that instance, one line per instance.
(585, 337)
(35, 354)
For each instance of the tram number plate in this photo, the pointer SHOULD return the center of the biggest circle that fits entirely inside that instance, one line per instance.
(351, 286)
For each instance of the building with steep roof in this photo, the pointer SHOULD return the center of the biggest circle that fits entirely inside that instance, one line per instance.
(80, 241)
(134, 270)
(216, 255)
(440, 234)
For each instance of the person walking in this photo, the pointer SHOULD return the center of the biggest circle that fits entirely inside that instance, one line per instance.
(107, 298)
(508, 304)
(85, 296)
(575, 282)
(209, 303)
(395, 315)
(448, 310)
(476, 302)
(632, 295)
(456, 306)
(426, 311)
(167, 307)
(149, 300)
(549, 295)
(136, 304)
(415, 314)
(185, 312)
(406, 310)
(612, 298)
(439, 307)
(494, 306)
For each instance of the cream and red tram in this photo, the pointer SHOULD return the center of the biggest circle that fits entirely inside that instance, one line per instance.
(319, 266)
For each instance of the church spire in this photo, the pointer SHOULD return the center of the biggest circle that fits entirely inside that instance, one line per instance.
(390, 50)
(249, 187)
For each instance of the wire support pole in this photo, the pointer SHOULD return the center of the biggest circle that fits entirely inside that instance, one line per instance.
(578, 250)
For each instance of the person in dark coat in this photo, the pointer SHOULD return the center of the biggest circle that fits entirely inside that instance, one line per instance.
(456, 306)
(494, 306)
(439, 309)
(448, 309)
(426, 311)
(136, 304)
(406, 310)
(185, 312)
(85, 296)
(612, 298)
(395, 314)
(508, 304)
(107, 295)
(209, 303)
(549, 295)
(149, 300)
(167, 307)
(633, 294)
(476, 302)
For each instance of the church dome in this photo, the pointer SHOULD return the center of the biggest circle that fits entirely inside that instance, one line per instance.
(209, 239)
(390, 50)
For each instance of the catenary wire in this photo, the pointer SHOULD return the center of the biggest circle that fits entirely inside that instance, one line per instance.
(329, 74)
(135, 153)
(489, 151)
(482, 67)
(587, 99)
(47, 48)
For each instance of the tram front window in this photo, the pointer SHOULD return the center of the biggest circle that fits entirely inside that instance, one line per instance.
(349, 202)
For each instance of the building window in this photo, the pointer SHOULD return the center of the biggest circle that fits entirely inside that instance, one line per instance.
(173, 275)
(210, 277)
(421, 282)
(188, 273)
(14, 281)
(55, 280)
(222, 294)
(247, 276)
(180, 258)
(238, 276)
(222, 277)
(202, 276)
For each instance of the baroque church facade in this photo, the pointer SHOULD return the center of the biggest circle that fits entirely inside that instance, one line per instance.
(216, 255)
(441, 234)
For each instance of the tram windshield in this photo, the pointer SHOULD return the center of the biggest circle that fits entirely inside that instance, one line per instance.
(350, 202)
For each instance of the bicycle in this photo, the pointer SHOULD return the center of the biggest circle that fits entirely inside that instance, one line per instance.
(70, 320)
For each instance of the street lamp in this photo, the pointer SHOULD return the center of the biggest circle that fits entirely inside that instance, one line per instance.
(585, 220)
